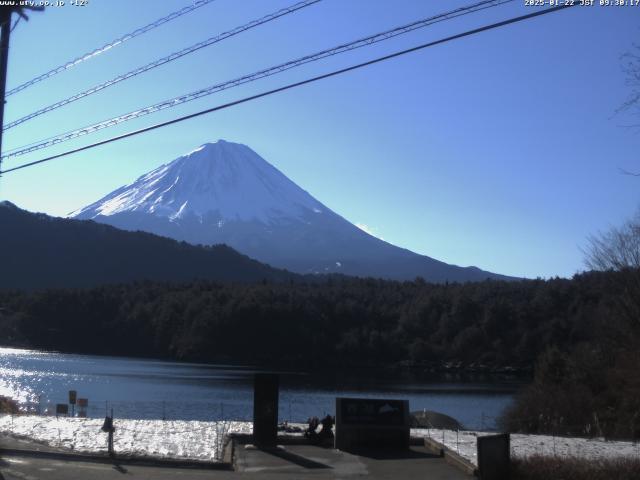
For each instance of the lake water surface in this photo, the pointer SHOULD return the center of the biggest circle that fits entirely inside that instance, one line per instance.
(155, 389)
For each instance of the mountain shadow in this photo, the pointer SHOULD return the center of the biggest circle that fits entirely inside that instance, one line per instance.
(39, 251)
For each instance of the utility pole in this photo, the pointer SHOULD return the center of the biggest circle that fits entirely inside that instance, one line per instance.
(5, 23)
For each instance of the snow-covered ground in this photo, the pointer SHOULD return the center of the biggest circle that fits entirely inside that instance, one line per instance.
(199, 440)
(464, 443)
(193, 440)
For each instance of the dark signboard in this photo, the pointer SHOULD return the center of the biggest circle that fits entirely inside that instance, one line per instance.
(365, 411)
(366, 423)
(494, 456)
(83, 403)
(62, 409)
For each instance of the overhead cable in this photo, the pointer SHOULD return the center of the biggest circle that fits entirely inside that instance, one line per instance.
(173, 102)
(108, 46)
(162, 61)
(291, 86)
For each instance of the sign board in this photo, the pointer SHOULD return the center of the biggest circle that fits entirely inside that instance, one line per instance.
(371, 423)
(494, 456)
(265, 409)
(62, 409)
(83, 403)
(72, 397)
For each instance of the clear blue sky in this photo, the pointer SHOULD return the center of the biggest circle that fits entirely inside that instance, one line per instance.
(500, 150)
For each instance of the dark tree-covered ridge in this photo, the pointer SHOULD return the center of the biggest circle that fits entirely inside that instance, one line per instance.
(342, 321)
(39, 251)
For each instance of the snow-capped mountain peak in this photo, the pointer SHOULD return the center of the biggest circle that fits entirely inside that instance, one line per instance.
(225, 180)
(224, 192)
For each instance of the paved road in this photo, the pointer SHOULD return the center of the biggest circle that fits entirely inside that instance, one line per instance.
(32, 468)
(307, 461)
(292, 461)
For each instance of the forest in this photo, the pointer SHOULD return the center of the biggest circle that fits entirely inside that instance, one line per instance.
(577, 338)
(344, 321)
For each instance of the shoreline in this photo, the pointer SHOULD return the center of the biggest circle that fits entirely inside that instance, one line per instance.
(524, 373)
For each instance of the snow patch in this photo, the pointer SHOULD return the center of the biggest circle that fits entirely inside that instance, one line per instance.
(194, 440)
(225, 178)
(367, 229)
(180, 211)
(465, 444)
(199, 440)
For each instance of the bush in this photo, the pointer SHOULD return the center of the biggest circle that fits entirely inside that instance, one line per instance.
(538, 467)
(583, 393)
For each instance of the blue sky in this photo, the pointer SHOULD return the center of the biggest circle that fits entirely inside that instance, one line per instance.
(500, 150)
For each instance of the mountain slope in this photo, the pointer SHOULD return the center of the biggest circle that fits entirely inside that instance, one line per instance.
(45, 252)
(224, 192)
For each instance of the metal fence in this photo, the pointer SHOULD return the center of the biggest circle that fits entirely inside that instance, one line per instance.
(152, 438)
(562, 441)
(165, 428)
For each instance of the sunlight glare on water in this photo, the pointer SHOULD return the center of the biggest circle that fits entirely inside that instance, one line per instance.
(154, 389)
(24, 372)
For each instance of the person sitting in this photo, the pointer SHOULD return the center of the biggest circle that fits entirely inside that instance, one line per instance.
(327, 427)
(313, 426)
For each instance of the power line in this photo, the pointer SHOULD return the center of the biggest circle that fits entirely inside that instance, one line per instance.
(108, 46)
(5, 24)
(363, 42)
(293, 85)
(164, 60)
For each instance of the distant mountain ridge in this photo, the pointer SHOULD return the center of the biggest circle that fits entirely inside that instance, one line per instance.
(225, 193)
(39, 251)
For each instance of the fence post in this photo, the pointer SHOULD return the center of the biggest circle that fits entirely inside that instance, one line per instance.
(111, 452)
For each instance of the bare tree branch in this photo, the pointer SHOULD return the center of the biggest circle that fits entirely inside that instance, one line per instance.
(619, 249)
(631, 67)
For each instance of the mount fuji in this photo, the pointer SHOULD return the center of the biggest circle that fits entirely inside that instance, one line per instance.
(225, 193)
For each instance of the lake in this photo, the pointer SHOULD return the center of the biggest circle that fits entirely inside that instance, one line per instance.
(156, 389)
